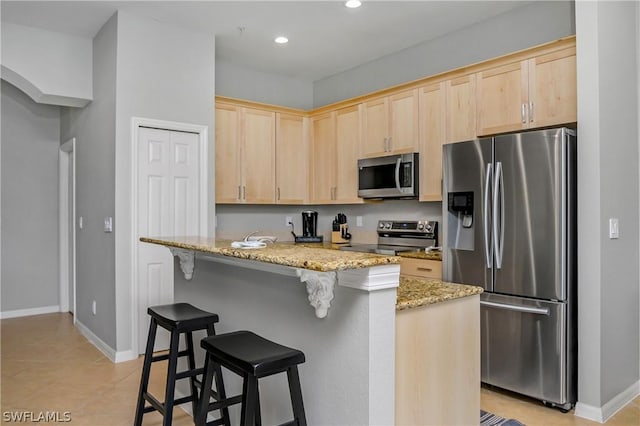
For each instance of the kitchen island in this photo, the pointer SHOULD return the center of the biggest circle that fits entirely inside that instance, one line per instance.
(350, 343)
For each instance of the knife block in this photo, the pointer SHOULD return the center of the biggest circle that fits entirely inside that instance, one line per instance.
(336, 236)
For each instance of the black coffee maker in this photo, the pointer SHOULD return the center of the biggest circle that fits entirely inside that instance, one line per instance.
(309, 223)
(309, 228)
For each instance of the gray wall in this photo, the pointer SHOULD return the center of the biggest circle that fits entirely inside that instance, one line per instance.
(30, 142)
(165, 73)
(517, 29)
(237, 81)
(608, 187)
(94, 129)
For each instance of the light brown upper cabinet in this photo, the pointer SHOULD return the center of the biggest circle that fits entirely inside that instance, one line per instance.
(530, 93)
(335, 143)
(347, 153)
(432, 136)
(322, 158)
(390, 124)
(291, 159)
(245, 155)
(461, 109)
(228, 180)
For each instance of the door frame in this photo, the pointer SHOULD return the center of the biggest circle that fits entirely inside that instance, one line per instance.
(67, 237)
(202, 132)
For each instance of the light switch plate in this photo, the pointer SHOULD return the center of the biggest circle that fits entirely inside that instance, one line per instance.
(108, 224)
(614, 231)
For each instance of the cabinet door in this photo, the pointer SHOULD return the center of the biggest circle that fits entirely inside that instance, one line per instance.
(375, 128)
(258, 155)
(228, 181)
(502, 98)
(432, 119)
(403, 122)
(461, 109)
(291, 159)
(553, 89)
(347, 154)
(323, 155)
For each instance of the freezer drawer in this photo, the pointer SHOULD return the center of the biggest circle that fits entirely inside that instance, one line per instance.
(524, 346)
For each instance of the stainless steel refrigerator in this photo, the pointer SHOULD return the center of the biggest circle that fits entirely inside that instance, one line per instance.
(509, 216)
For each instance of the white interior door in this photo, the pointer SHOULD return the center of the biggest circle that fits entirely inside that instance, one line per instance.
(168, 206)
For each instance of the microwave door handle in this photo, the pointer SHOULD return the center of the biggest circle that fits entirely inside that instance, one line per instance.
(398, 162)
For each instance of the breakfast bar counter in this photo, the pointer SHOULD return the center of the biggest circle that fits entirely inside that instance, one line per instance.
(365, 317)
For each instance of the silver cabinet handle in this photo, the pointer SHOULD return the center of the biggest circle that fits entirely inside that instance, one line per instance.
(525, 309)
(531, 111)
(389, 144)
(523, 113)
(239, 193)
(244, 192)
(485, 212)
(498, 236)
(385, 145)
(278, 193)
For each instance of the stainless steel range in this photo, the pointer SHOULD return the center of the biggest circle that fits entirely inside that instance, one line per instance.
(395, 236)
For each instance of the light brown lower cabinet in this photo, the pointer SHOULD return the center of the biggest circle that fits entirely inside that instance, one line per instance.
(421, 268)
(438, 363)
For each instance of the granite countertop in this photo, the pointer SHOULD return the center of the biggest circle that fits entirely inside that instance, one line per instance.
(316, 257)
(432, 255)
(414, 292)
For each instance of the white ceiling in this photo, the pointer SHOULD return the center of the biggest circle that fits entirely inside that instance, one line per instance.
(325, 37)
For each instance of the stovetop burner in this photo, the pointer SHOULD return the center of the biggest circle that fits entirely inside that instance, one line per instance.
(400, 236)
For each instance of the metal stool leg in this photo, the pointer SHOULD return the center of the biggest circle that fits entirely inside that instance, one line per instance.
(296, 395)
(146, 370)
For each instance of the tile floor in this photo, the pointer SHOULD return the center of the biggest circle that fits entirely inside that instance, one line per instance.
(47, 366)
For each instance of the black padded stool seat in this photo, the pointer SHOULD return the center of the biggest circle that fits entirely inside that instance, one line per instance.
(252, 357)
(182, 317)
(177, 318)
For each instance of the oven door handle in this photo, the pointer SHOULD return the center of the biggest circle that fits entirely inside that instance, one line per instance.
(398, 162)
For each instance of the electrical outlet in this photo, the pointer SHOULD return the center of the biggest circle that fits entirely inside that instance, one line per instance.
(288, 220)
(93, 307)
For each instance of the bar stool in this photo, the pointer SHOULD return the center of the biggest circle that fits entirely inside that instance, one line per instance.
(177, 318)
(251, 357)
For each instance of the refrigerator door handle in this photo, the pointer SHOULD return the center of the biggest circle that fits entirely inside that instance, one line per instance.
(498, 232)
(485, 212)
(525, 309)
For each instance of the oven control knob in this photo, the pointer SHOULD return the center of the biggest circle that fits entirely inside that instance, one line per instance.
(429, 228)
(420, 226)
(387, 225)
(381, 225)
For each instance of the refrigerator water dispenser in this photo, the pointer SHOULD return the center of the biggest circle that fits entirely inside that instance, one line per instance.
(460, 232)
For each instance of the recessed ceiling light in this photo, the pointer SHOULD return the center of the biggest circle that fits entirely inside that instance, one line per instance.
(352, 4)
(281, 40)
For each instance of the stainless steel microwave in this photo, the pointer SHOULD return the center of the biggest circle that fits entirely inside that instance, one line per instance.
(393, 176)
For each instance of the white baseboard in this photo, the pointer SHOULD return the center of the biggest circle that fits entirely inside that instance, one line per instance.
(29, 312)
(610, 408)
(107, 350)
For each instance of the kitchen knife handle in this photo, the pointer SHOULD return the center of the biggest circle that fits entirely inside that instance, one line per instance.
(485, 214)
